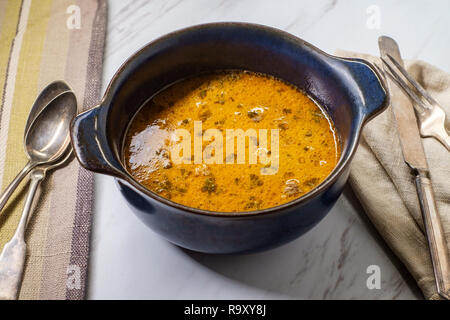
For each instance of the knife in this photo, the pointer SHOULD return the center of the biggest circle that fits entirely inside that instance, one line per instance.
(414, 156)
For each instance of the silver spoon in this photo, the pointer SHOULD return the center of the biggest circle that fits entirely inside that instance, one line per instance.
(47, 138)
(50, 93)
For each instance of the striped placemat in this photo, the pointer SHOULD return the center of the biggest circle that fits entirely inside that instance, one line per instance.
(42, 41)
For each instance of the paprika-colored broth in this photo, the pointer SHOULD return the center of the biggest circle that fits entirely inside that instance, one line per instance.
(308, 147)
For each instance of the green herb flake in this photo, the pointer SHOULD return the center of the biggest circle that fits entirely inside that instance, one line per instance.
(255, 180)
(209, 185)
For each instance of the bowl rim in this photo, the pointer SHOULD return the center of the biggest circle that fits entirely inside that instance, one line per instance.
(340, 167)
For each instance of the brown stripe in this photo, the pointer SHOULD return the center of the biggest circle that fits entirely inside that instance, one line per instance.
(63, 198)
(76, 71)
(82, 222)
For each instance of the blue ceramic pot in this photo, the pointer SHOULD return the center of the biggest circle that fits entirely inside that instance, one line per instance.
(350, 89)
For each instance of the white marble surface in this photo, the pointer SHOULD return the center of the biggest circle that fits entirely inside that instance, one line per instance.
(129, 261)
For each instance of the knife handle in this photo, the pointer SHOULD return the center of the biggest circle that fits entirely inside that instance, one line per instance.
(435, 233)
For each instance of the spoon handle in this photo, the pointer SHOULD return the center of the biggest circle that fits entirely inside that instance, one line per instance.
(13, 185)
(12, 258)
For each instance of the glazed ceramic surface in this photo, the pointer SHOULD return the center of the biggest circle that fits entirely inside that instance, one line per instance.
(349, 90)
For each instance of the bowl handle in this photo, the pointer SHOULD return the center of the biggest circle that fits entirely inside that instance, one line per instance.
(90, 145)
(372, 86)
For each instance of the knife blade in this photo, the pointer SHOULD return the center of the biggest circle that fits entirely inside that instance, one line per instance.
(403, 109)
(414, 156)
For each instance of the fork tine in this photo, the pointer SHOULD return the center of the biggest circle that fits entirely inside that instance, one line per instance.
(380, 71)
(445, 140)
(414, 83)
(418, 105)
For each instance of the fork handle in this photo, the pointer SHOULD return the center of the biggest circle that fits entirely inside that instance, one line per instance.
(15, 183)
(435, 233)
(12, 258)
(12, 262)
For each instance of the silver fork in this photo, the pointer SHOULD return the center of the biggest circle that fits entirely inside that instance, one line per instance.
(430, 114)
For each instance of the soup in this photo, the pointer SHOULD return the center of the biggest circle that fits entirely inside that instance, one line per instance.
(231, 141)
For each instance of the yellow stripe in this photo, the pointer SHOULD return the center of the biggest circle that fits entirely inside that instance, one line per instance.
(10, 81)
(7, 33)
(53, 65)
(3, 5)
(24, 94)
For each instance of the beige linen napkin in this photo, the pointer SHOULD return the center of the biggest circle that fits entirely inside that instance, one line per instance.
(384, 185)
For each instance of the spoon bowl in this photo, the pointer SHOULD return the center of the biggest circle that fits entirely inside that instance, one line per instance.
(47, 94)
(48, 135)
